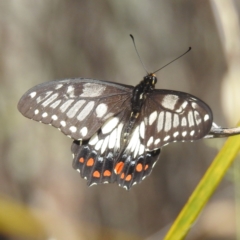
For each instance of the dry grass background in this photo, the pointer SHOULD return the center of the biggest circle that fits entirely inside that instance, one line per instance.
(47, 40)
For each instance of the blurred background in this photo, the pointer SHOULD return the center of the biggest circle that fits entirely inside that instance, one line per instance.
(47, 40)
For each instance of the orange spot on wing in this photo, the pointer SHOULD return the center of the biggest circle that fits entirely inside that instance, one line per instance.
(146, 167)
(139, 167)
(122, 176)
(107, 173)
(96, 174)
(90, 162)
(81, 160)
(129, 177)
(119, 167)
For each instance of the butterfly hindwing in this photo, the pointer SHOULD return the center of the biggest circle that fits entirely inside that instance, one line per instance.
(132, 170)
(95, 158)
(136, 162)
(92, 166)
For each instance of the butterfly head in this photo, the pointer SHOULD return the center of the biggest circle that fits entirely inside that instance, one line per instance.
(150, 79)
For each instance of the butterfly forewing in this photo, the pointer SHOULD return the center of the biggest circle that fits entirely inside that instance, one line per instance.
(78, 107)
(170, 116)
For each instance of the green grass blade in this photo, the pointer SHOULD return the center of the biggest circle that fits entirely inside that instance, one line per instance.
(205, 189)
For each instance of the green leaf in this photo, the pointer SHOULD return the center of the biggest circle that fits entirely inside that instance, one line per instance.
(205, 189)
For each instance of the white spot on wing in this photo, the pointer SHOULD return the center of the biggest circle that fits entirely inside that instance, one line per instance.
(92, 184)
(32, 94)
(184, 122)
(101, 110)
(184, 105)
(168, 122)
(175, 120)
(176, 134)
(92, 90)
(192, 133)
(109, 125)
(86, 110)
(113, 138)
(54, 117)
(41, 98)
(141, 149)
(104, 145)
(134, 139)
(55, 104)
(84, 131)
(150, 141)
(73, 129)
(169, 101)
(36, 111)
(65, 105)
(184, 133)
(63, 123)
(197, 117)
(70, 91)
(44, 115)
(190, 119)
(157, 141)
(152, 117)
(206, 117)
(94, 139)
(58, 86)
(49, 100)
(99, 144)
(160, 121)
(75, 108)
(194, 105)
(166, 138)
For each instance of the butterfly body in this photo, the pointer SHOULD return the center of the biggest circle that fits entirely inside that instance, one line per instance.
(118, 129)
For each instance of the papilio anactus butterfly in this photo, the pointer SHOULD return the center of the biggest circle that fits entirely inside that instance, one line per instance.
(118, 130)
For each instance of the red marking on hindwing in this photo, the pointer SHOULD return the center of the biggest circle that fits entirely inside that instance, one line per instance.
(139, 167)
(129, 177)
(81, 160)
(119, 167)
(146, 167)
(90, 162)
(96, 174)
(107, 173)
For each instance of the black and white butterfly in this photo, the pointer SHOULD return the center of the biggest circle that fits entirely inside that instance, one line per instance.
(118, 130)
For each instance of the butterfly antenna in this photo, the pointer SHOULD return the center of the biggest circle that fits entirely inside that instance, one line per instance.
(189, 49)
(138, 53)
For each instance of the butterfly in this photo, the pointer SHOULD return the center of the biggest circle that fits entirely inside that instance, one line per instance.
(118, 130)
